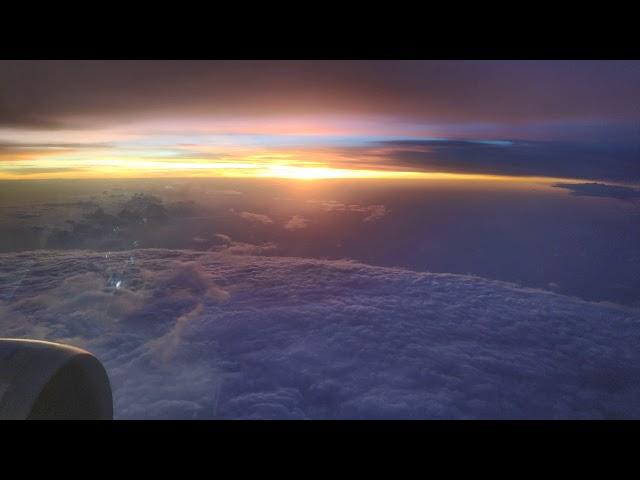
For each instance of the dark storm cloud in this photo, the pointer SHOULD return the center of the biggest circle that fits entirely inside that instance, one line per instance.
(518, 158)
(55, 93)
(600, 190)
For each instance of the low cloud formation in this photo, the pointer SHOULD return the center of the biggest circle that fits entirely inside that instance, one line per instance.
(115, 221)
(375, 212)
(242, 248)
(121, 228)
(296, 223)
(224, 243)
(190, 334)
(372, 212)
(600, 190)
(256, 217)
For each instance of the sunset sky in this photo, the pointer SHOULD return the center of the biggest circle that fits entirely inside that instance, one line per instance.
(329, 239)
(320, 119)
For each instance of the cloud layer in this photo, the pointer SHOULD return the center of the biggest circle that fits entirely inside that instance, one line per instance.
(588, 160)
(601, 190)
(212, 335)
(55, 93)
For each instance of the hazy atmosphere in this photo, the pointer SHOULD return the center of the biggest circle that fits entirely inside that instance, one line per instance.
(329, 239)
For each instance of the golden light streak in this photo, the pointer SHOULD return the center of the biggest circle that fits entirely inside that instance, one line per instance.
(307, 166)
(143, 169)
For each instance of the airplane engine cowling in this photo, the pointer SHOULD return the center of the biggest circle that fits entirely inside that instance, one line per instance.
(49, 381)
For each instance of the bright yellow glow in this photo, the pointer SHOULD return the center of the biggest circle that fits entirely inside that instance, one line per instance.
(233, 163)
(155, 169)
(281, 148)
(318, 173)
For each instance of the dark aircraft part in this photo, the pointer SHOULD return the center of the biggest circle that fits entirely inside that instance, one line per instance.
(49, 381)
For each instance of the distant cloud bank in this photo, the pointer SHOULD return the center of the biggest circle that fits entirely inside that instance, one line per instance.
(560, 159)
(600, 190)
(371, 212)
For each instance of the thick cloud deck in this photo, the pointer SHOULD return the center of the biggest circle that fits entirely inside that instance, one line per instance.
(212, 335)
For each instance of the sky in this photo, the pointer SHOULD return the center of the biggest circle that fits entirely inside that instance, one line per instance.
(329, 239)
(320, 119)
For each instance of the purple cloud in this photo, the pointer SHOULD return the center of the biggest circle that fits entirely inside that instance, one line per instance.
(212, 335)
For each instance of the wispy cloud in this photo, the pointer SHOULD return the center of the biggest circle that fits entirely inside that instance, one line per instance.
(256, 218)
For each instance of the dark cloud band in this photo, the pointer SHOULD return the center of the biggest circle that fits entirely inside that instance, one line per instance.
(52, 93)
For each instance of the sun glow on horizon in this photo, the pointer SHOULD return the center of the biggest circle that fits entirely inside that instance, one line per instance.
(162, 156)
(249, 167)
